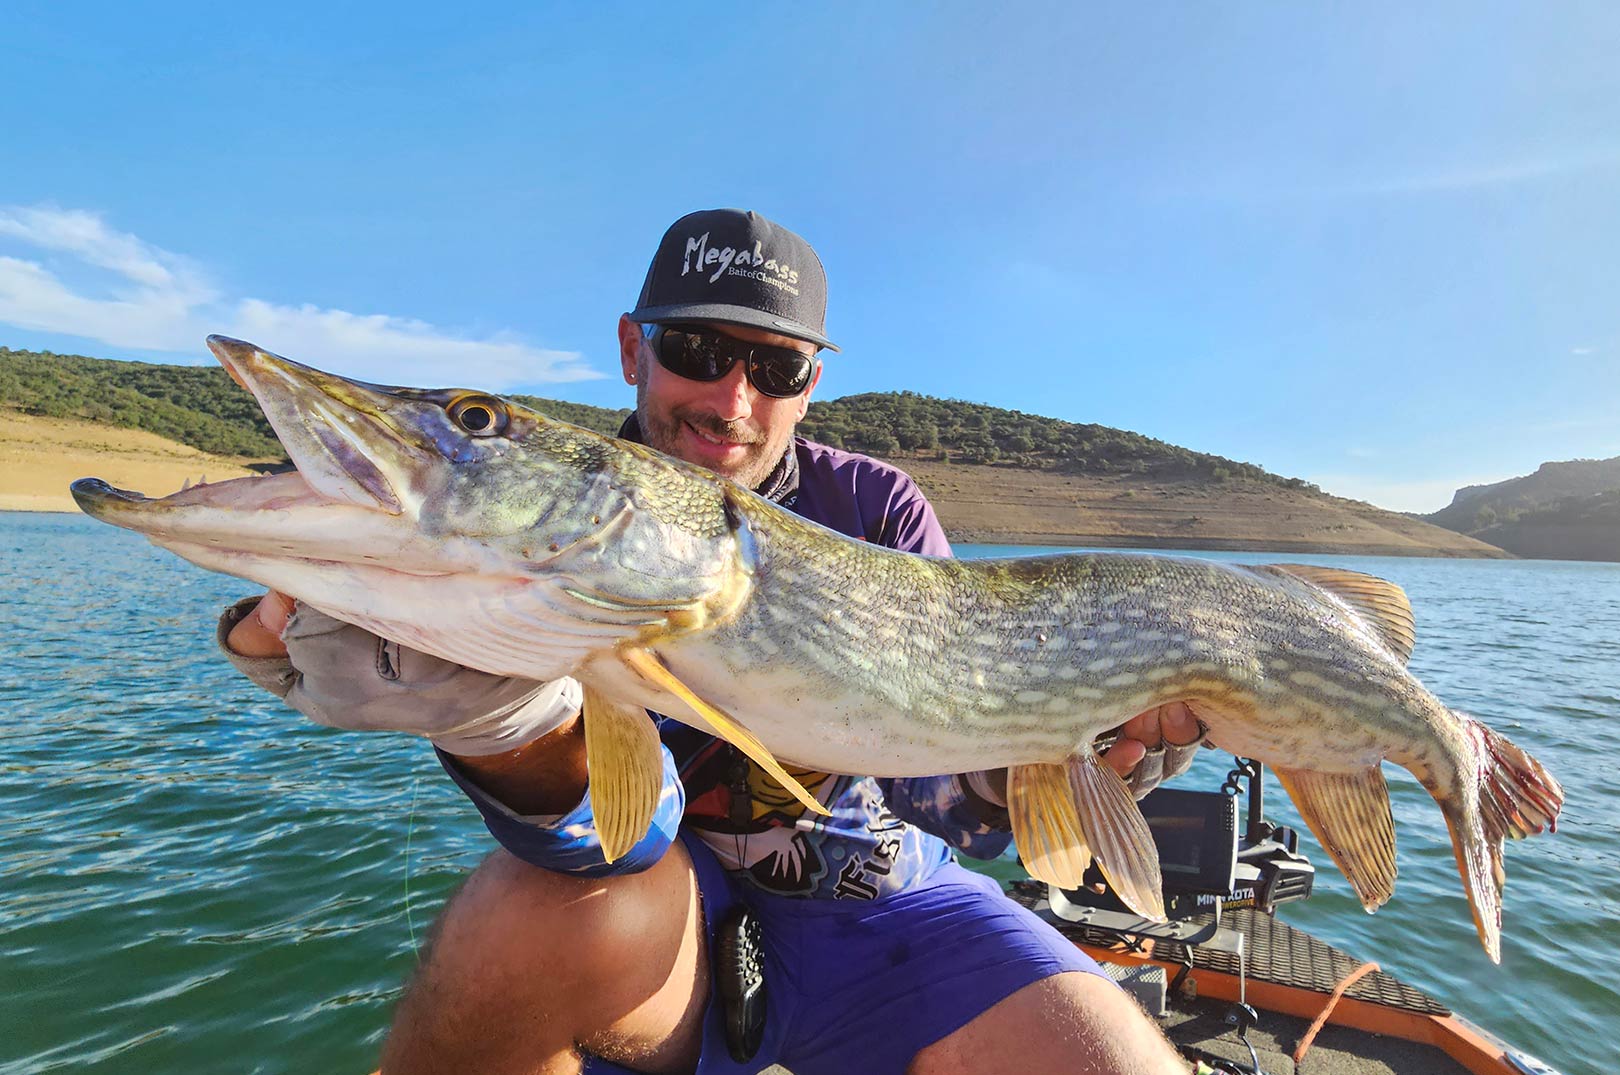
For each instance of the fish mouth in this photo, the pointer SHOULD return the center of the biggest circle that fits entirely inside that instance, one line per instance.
(354, 462)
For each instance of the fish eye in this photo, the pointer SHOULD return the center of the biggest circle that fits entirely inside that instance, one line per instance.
(478, 415)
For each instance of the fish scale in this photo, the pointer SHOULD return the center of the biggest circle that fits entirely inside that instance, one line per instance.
(527, 547)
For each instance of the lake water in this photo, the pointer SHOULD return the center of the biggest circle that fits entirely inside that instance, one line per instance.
(193, 879)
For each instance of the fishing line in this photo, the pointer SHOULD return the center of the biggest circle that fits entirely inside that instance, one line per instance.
(410, 831)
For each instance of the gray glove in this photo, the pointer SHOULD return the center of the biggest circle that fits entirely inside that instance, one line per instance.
(1160, 763)
(346, 677)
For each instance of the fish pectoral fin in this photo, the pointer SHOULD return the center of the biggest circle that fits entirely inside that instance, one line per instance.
(650, 668)
(1381, 603)
(1045, 825)
(626, 769)
(1118, 834)
(1349, 813)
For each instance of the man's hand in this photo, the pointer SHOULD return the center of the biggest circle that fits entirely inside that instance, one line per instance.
(1166, 738)
(346, 677)
(1170, 725)
(258, 634)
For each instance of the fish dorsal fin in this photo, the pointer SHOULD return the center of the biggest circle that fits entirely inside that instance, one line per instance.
(1378, 601)
(650, 668)
(1046, 827)
(626, 770)
(1349, 813)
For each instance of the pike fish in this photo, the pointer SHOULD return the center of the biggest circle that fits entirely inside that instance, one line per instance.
(473, 528)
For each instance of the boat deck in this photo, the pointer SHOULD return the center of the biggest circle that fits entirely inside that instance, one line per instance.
(1284, 963)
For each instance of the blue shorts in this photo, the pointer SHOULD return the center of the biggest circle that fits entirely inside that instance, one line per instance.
(863, 986)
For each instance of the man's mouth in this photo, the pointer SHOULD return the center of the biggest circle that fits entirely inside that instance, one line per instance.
(710, 438)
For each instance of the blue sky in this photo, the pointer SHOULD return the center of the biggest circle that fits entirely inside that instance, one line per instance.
(1374, 246)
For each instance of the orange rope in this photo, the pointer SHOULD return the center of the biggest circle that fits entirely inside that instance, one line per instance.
(1327, 1010)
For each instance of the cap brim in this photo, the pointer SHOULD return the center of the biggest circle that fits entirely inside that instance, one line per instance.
(724, 314)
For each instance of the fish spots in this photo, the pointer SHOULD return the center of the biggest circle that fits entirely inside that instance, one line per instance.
(1156, 675)
(1150, 636)
(1031, 697)
(1109, 628)
(1101, 664)
(1321, 685)
(1172, 655)
(1122, 679)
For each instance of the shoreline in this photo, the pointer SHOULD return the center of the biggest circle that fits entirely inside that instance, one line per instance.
(40, 457)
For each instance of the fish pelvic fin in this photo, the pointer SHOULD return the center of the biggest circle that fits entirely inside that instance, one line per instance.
(1118, 834)
(1379, 602)
(1507, 795)
(1062, 815)
(1350, 815)
(1046, 825)
(649, 667)
(626, 770)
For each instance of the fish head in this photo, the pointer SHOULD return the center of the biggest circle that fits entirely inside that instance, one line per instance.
(415, 480)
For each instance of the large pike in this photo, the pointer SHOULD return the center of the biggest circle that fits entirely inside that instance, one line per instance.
(470, 527)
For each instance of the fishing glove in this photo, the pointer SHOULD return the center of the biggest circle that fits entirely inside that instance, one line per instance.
(344, 676)
(1159, 764)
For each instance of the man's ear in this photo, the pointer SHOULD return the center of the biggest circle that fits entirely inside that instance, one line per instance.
(629, 347)
(804, 398)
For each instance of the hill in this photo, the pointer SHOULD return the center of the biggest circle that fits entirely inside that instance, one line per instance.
(1474, 507)
(1566, 510)
(994, 475)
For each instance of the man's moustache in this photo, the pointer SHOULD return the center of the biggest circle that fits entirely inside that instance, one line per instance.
(736, 432)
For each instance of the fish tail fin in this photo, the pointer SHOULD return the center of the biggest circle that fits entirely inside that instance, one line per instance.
(1504, 794)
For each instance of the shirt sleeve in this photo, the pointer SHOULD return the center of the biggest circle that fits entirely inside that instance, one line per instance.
(567, 843)
(945, 807)
(910, 524)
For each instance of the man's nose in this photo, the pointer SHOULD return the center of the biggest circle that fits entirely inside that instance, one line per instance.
(732, 397)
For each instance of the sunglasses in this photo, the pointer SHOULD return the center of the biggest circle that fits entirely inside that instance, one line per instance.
(701, 355)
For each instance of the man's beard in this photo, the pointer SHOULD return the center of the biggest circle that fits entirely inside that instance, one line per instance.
(664, 434)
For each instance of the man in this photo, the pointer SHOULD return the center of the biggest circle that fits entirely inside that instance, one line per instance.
(880, 953)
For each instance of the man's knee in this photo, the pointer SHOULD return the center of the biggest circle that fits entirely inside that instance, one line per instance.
(527, 959)
(1072, 1022)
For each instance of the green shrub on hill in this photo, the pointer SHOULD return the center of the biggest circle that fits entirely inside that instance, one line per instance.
(202, 407)
(884, 423)
(196, 405)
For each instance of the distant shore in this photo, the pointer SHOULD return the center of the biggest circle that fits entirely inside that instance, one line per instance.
(40, 457)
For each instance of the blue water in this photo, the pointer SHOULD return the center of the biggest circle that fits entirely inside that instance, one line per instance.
(194, 879)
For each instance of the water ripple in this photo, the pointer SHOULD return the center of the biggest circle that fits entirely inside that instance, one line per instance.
(191, 873)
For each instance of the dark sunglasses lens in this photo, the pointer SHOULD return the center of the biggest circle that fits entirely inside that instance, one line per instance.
(780, 372)
(697, 356)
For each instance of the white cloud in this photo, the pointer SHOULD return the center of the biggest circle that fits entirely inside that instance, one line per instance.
(160, 301)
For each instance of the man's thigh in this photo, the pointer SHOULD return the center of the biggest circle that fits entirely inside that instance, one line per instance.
(526, 968)
(870, 987)
(1071, 1022)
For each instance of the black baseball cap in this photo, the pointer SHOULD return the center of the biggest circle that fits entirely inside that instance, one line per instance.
(735, 267)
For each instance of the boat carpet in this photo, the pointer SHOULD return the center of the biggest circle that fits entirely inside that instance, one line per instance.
(1200, 1025)
(1275, 952)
